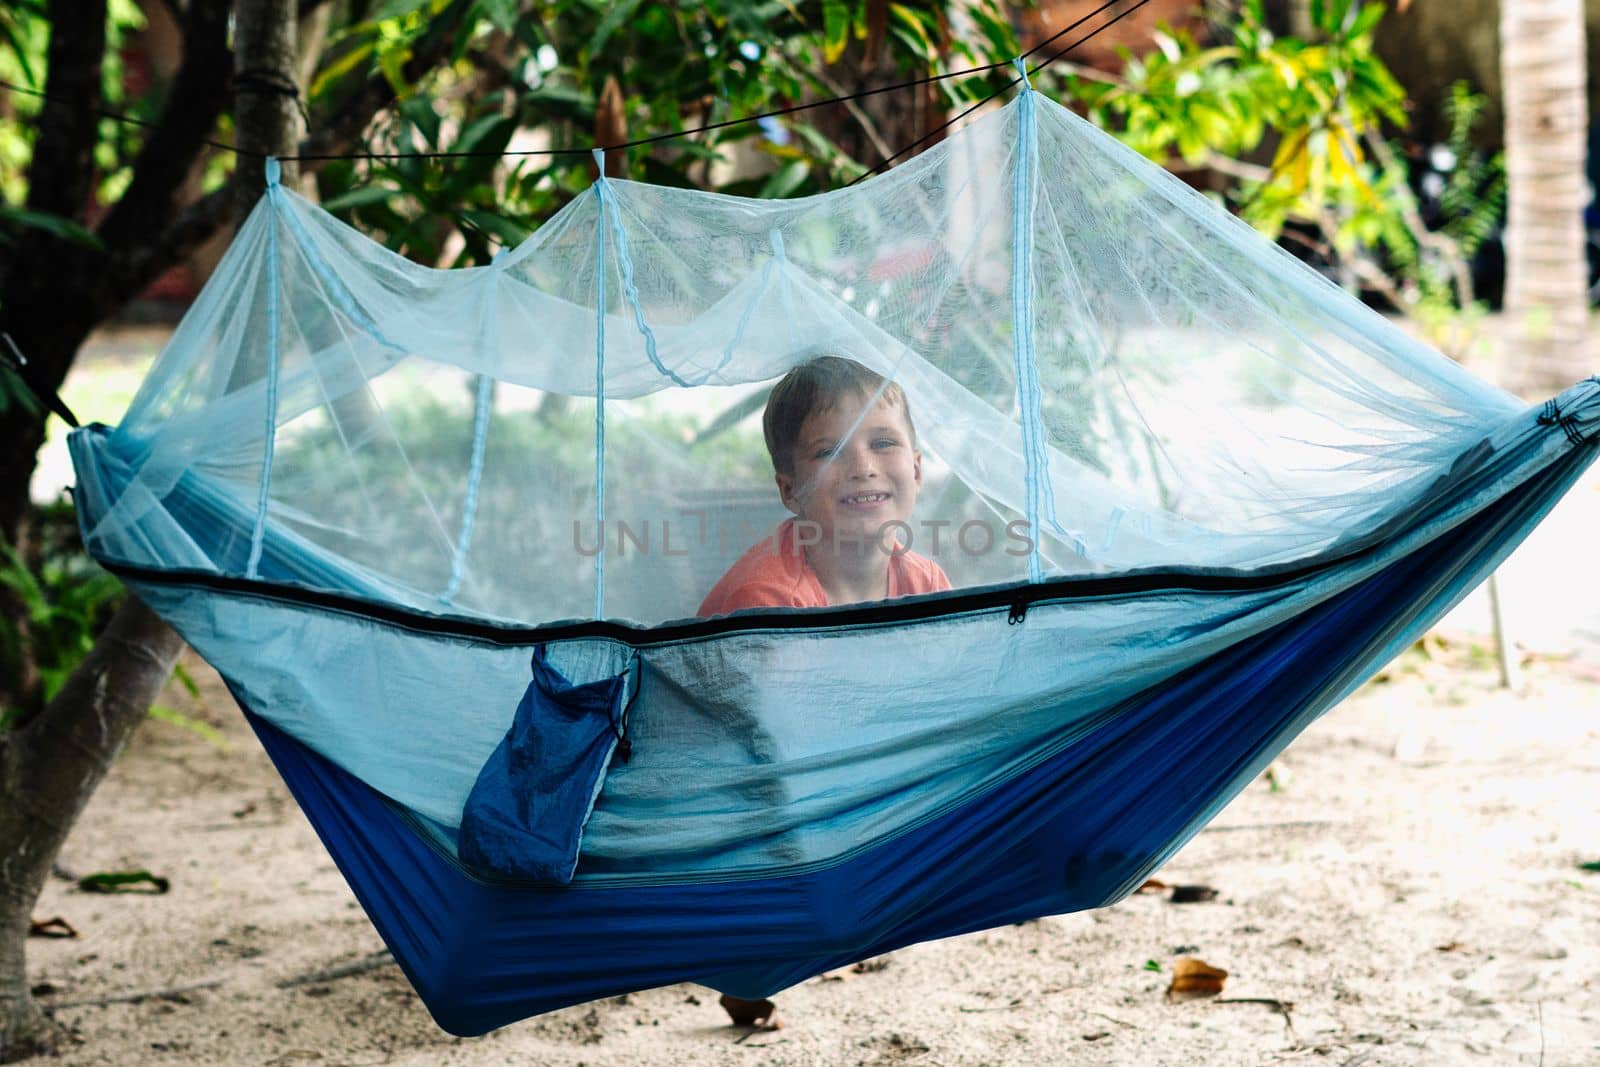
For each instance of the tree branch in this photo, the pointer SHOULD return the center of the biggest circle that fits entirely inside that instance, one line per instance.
(1443, 245)
(131, 269)
(821, 77)
(197, 98)
(62, 170)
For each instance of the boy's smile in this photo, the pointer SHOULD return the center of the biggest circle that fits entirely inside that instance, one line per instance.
(852, 489)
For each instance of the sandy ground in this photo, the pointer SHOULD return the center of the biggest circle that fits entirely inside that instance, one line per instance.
(1409, 892)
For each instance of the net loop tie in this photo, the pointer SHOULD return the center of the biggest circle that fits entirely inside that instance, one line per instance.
(1022, 72)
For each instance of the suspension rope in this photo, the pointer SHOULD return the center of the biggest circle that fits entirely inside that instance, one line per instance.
(1025, 73)
(265, 81)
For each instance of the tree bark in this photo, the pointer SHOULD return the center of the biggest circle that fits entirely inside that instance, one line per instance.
(268, 117)
(48, 770)
(1543, 70)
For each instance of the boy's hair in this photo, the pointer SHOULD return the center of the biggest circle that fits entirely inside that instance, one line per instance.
(817, 385)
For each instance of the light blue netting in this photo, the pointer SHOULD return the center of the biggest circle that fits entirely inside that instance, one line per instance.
(1189, 393)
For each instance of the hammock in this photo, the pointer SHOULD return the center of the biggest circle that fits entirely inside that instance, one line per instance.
(444, 534)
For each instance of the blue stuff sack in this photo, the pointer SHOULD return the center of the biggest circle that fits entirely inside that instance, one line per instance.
(525, 815)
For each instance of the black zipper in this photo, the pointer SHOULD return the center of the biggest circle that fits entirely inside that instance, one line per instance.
(1017, 598)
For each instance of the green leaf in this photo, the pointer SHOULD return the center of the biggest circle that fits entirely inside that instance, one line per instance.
(123, 881)
(361, 196)
(486, 133)
(510, 232)
(19, 50)
(64, 228)
(561, 95)
(1152, 965)
(392, 61)
(420, 112)
(181, 675)
(835, 29)
(615, 16)
(396, 9)
(1168, 45)
(16, 577)
(786, 179)
(355, 57)
(1369, 17)
(203, 730)
(909, 27)
(659, 172)
(502, 14)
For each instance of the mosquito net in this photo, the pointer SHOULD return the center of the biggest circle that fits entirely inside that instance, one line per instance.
(1150, 496)
(1101, 371)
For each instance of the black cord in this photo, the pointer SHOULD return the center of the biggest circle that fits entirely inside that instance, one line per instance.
(12, 358)
(264, 81)
(777, 113)
(119, 116)
(1010, 84)
(270, 81)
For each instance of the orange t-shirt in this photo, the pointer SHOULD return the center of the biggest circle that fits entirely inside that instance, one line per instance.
(775, 574)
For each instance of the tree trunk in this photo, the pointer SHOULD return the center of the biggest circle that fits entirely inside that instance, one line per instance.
(48, 770)
(1543, 69)
(265, 68)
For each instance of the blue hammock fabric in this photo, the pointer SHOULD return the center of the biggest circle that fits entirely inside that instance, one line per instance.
(392, 507)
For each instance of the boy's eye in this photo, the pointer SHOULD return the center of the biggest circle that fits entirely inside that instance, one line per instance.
(885, 442)
(826, 453)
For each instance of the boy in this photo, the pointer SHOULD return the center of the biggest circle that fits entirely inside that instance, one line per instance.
(851, 475)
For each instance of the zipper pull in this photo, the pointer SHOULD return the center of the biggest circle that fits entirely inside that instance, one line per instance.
(1019, 612)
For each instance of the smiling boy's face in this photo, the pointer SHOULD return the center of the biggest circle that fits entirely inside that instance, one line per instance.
(852, 487)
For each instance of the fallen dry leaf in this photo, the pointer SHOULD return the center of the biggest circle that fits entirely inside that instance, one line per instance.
(1153, 885)
(1193, 978)
(1192, 894)
(55, 926)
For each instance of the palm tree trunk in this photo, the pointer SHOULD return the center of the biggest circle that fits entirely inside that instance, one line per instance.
(1543, 67)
